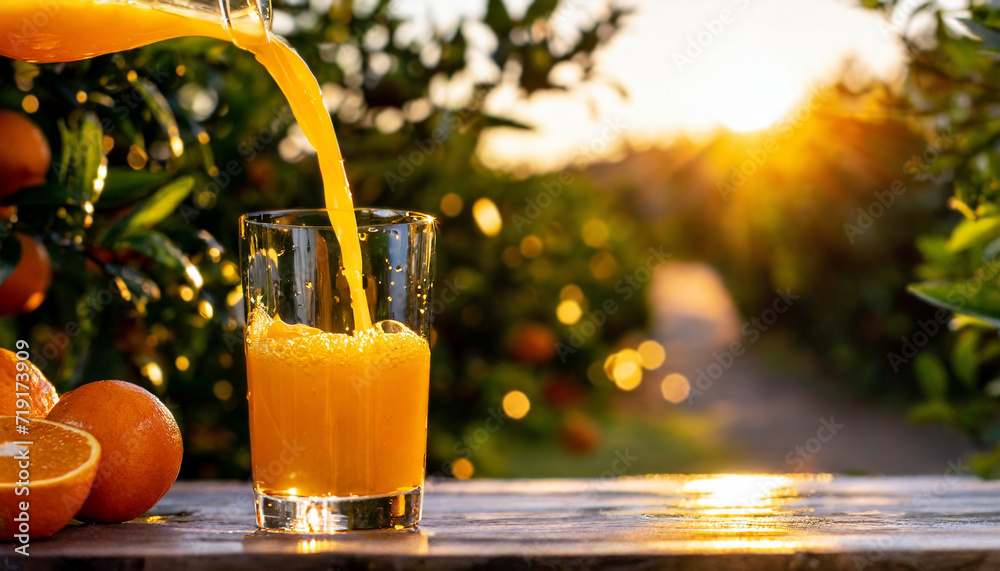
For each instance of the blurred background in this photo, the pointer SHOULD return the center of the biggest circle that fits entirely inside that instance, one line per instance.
(685, 236)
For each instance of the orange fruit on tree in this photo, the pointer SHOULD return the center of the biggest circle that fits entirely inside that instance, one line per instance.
(24, 153)
(141, 446)
(25, 289)
(533, 343)
(62, 462)
(19, 379)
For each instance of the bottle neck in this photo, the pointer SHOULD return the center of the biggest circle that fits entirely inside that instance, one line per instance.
(247, 21)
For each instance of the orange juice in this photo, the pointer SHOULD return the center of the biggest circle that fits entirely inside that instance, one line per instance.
(336, 414)
(330, 414)
(69, 30)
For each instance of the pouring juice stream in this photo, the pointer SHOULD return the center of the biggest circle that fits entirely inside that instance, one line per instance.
(70, 30)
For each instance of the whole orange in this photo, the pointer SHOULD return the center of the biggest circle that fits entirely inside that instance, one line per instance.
(61, 464)
(533, 343)
(25, 289)
(24, 153)
(19, 379)
(141, 446)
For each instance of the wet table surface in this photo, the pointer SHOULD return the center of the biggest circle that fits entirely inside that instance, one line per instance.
(800, 522)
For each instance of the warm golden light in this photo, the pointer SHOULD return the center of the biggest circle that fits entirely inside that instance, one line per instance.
(627, 375)
(205, 309)
(153, 372)
(758, 93)
(675, 387)
(603, 265)
(462, 469)
(531, 246)
(625, 369)
(651, 354)
(222, 390)
(738, 493)
(182, 363)
(595, 233)
(516, 404)
(487, 216)
(568, 312)
(571, 292)
(451, 204)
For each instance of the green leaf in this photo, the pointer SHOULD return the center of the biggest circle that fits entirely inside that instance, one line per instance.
(51, 194)
(160, 108)
(498, 18)
(10, 255)
(931, 375)
(140, 287)
(989, 36)
(82, 155)
(539, 9)
(960, 297)
(930, 411)
(964, 359)
(152, 210)
(124, 185)
(971, 233)
(159, 248)
(494, 121)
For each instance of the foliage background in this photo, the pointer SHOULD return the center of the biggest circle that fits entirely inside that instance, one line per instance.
(124, 272)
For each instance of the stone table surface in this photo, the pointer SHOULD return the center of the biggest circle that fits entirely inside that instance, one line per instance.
(795, 522)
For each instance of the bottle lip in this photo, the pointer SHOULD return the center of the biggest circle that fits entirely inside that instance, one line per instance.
(261, 7)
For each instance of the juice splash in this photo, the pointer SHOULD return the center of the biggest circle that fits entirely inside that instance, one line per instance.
(336, 414)
(70, 30)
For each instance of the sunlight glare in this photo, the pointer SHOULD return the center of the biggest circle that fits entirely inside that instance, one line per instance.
(758, 94)
(736, 491)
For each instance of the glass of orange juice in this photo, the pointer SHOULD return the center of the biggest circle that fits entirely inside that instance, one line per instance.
(338, 412)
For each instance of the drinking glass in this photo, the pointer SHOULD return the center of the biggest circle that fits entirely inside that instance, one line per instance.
(338, 415)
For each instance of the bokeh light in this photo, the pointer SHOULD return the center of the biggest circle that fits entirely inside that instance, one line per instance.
(571, 292)
(595, 233)
(568, 312)
(487, 216)
(531, 246)
(451, 205)
(652, 354)
(516, 405)
(462, 469)
(675, 387)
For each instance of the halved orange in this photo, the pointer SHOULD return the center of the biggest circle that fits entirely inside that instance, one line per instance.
(60, 467)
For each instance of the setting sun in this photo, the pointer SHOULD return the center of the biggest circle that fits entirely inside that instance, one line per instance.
(758, 93)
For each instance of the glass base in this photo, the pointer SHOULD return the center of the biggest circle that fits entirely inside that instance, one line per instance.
(304, 514)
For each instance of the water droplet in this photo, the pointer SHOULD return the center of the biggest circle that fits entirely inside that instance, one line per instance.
(309, 285)
(399, 268)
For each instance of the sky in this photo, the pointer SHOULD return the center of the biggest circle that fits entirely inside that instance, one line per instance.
(688, 66)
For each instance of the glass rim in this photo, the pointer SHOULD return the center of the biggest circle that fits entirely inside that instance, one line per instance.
(408, 218)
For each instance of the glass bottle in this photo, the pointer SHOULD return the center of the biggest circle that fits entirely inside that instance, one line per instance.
(67, 30)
